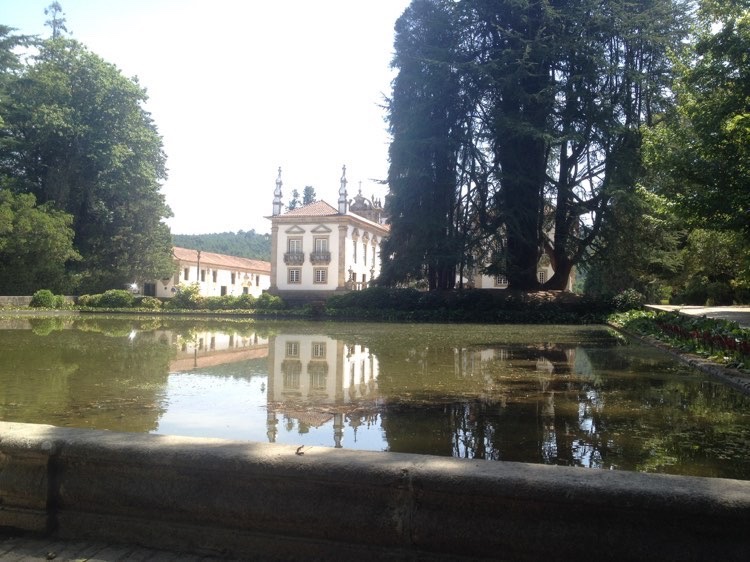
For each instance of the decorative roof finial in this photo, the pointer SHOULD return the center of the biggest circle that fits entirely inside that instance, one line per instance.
(343, 204)
(277, 196)
(278, 184)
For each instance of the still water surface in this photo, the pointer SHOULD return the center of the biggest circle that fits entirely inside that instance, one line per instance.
(568, 395)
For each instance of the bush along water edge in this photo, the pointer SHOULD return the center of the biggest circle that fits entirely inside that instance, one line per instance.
(721, 341)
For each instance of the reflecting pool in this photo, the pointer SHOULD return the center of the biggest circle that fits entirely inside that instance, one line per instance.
(567, 395)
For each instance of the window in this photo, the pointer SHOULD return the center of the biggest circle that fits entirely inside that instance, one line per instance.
(187, 274)
(223, 290)
(292, 349)
(257, 280)
(320, 275)
(234, 278)
(321, 244)
(355, 251)
(245, 290)
(319, 350)
(213, 275)
(291, 374)
(294, 245)
(542, 276)
(364, 250)
(501, 281)
(203, 275)
(294, 275)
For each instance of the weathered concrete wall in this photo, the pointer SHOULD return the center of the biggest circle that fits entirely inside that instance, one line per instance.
(10, 301)
(14, 301)
(263, 501)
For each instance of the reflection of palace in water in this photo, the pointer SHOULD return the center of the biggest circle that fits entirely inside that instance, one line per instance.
(315, 379)
(207, 348)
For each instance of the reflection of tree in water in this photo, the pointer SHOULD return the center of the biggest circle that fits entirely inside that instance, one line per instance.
(83, 379)
(488, 403)
(545, 404)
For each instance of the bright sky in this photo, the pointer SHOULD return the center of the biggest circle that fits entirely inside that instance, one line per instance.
(238, 88)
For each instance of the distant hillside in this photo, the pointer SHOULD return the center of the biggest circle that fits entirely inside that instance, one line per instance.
(241, 244)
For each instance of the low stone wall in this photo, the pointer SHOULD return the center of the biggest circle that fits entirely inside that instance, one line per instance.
(14, 301)
(264, 501)
(20, 302)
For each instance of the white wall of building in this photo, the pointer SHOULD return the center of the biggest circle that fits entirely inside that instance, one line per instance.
(307, 238)
(211, 279)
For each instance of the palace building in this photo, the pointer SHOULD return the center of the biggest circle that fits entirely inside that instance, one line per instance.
(318, 249)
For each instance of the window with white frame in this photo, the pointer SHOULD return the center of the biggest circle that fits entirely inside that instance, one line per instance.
(320, 275)
(292, 349)
(294, 245)
(319, 350)
(501, 281)
(321, 244)
(294, 275)
(542, 276)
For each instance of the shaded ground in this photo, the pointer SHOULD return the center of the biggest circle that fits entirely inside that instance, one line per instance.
(29, 547)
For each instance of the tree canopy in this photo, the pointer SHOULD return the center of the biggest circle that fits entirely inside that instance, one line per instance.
(699, 154)
(514, 125)
(36, 244)
(243, 244)
(76, 136)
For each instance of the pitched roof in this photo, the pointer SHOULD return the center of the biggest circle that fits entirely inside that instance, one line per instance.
(323, 209)
(315, 209)
(221, 260)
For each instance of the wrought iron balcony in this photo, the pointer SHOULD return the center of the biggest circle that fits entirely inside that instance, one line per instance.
(320, 258)
(294, 258)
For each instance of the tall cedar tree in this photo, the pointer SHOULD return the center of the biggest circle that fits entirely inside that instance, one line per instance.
(425, 111)
(523, 119)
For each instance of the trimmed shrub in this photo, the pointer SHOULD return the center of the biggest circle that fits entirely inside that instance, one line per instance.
(187, 297)
(88, 301)
(267, 301)
(719, 294)
(116, 298)
(44, 298)
(629, 299)
(148, 303)
(246, 302)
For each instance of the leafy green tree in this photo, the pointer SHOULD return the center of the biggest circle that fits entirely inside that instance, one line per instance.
(699, 154)
(77, 137)
(641, 247)
(36, 244)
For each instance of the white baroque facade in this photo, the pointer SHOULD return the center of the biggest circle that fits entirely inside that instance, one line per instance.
(318, 249)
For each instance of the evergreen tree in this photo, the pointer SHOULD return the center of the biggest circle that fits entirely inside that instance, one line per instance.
(513, 125)
(308, 195)
(425, 115)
